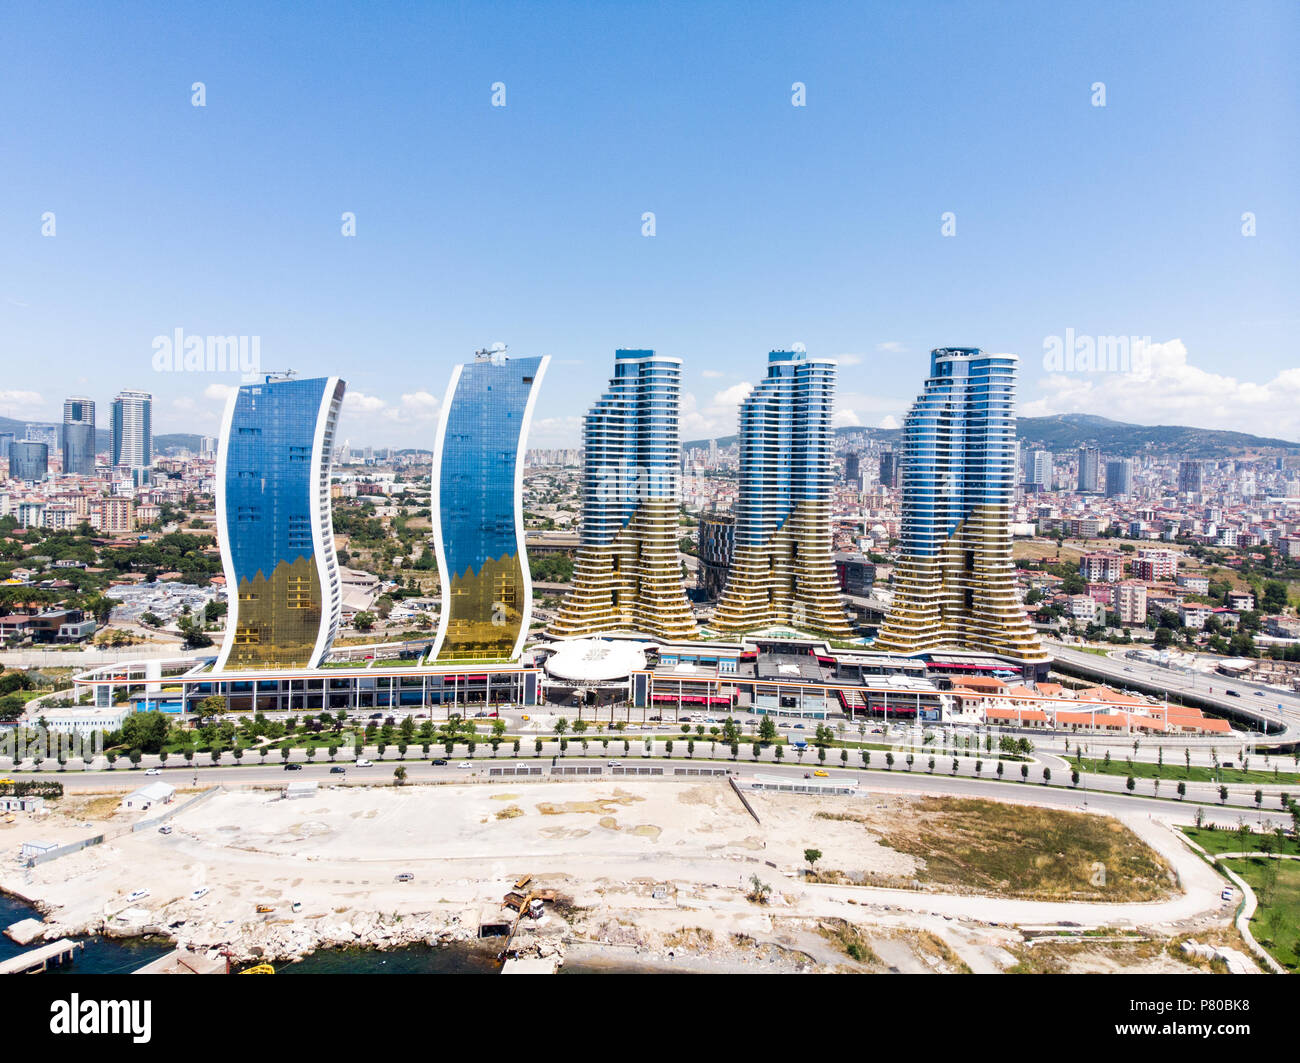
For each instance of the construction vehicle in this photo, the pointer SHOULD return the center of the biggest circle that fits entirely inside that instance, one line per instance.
(265, 909)
(522, 881)
(261, 968)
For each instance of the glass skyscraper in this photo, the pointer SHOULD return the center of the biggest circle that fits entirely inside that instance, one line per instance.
(1119, 478)
(132, 430)
(1089, 469)
(78, 442)
(628, 575)
(954, 584)
(782, 571)
(478, 530)
(28, 460)
(275, 523)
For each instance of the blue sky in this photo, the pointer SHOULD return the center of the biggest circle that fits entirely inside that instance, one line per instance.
(775, 224)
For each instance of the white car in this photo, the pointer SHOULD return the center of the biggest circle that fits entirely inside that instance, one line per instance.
(154, 771)
(137, 895)
(363, 763)
(199, 893)
(464, 764)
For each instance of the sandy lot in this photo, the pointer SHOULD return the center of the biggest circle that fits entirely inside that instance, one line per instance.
(657, 870)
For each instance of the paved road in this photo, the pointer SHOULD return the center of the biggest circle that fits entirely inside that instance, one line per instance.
(1100, 792)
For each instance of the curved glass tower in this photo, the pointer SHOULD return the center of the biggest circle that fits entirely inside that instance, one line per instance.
(781, 570)
(275, 523)
(628, 575)
(478, 529)
(954, 583)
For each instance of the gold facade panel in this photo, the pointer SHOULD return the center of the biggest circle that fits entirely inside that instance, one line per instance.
(279, 618)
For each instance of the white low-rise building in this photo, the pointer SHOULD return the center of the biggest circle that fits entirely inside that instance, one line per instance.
(154, 793)
(82, 719)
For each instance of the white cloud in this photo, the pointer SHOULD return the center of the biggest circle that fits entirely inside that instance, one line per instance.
(890, 347)
(186, 414)
(718, 418)
(857, 408)
(363, 403)
(734, 395)
(1165, 388)
(711, 374)
(21, 398)
(555, 432)
(416, 405)
(848, 359)
(220, 392)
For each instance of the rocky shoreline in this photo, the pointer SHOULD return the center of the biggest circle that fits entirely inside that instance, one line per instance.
(271, 940)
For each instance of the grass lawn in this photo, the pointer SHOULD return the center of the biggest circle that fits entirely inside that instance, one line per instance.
(1178, 771)
(1227, 841)
(1276, 923)
(1035, 853)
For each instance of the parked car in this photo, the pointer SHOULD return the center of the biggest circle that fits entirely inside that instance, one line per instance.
(199, 893)
(363, 763)
(137, 895)
(166, 828)
(405, 876)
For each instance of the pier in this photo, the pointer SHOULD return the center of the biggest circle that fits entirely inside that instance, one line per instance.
(34, 961)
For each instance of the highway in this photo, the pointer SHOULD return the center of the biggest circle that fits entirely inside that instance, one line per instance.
(1280, 710)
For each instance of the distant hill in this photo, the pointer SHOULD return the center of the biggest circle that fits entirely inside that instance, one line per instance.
(1067, 431)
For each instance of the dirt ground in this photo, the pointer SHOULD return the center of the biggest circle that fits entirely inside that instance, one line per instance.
(649, 873)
